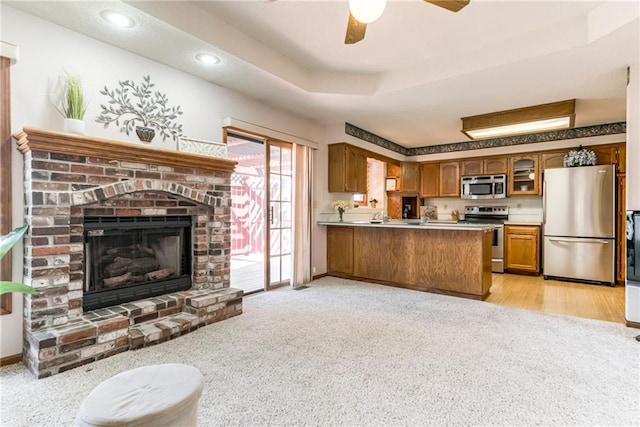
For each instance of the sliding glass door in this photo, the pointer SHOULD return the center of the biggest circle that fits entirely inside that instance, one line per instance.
(248, 198)
(280, 213)
(261, 220)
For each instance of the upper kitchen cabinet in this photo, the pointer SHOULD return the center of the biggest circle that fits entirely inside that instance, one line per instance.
(488, 166)
(407, 176)
(410, 178)
(605, 154)
(471, 167)
(524, 177)
(552, 160)
(449, 179)
(347, 169)
(430, 179)
(495, 165)
(614, 154)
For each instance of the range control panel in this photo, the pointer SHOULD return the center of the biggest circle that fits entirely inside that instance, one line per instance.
(487, 210)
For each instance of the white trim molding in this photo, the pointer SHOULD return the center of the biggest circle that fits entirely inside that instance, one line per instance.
(9, 50)
(268, 132)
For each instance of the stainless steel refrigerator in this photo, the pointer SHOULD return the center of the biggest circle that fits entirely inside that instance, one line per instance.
(579, 223)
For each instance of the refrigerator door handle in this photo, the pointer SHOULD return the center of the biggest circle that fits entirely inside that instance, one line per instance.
(544, 201)
(554, 239)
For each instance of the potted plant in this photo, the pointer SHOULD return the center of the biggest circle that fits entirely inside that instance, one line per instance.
(72, 104)
(138, 104)
(373, 202)
(6, 243)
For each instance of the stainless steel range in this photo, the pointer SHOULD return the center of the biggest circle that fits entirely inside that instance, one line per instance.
(496, 216)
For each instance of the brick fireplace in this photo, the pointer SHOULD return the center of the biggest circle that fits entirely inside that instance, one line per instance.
(71, 178)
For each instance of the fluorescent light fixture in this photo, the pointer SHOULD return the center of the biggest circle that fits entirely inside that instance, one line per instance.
(520, 128)
(539, 118)
(367, 11)
(118, 19)
(207, 58)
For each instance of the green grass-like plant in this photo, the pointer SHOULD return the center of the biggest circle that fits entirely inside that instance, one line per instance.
(6, 243)
(72, 102)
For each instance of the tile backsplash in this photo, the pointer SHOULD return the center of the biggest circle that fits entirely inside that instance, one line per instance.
(521, 208)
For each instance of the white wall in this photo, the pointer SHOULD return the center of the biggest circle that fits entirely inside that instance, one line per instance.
(633, 138)
(46, 50)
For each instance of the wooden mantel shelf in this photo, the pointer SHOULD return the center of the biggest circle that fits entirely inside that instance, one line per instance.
(59, 142)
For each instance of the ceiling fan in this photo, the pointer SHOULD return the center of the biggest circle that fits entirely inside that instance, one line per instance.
(368, 11)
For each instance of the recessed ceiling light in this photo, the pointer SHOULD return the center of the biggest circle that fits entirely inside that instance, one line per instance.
(118, 19)
(207, 58)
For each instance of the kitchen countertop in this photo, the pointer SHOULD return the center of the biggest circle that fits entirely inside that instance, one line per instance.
(515, 222)
(415, 224)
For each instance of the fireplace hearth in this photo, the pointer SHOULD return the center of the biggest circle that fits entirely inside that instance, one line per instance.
(131, 258)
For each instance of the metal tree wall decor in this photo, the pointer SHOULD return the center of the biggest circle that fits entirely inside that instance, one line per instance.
(137, 104)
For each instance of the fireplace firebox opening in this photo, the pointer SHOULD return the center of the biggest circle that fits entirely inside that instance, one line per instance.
(131, 258)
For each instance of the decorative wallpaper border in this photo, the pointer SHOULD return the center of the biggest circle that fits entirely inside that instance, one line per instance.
(557, 135)
(364, 135)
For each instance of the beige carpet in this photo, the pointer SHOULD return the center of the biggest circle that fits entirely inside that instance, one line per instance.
(350, 353)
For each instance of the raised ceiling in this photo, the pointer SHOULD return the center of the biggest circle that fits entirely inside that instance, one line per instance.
(418, 71)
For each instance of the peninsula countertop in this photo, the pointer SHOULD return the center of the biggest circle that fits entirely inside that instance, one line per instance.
(415, 224)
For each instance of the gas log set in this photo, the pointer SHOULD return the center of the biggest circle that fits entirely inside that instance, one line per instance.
(140, 266)
(127, 258)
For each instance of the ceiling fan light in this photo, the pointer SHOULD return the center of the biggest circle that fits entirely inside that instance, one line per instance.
(367, 11)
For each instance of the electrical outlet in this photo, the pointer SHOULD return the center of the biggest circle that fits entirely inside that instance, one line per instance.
(445, 207)
(519, 205)
(313, 270)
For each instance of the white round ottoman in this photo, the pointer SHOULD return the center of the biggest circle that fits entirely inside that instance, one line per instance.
(156, 395)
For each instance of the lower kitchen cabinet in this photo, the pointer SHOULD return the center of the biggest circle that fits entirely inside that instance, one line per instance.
(450, 260)
(340, 250)
(522, 249)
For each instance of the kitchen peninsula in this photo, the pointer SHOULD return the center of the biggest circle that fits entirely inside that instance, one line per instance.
(451, 259)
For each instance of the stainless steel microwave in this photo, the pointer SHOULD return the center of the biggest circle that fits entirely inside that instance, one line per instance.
(484, 187)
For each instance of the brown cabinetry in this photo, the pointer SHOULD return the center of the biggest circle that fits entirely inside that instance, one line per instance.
(604, 155)
(418, 258)
(340, 250)
(524, 175)
(449, 179)
(621, 240)
(553, 160)
(608, 154)
(488, 166)
(522, 249)
(429, 179)
(410, 178)
(621, 158)
(347, 169)
(471, 167)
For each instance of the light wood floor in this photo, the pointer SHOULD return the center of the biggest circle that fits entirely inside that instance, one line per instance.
(553, 296)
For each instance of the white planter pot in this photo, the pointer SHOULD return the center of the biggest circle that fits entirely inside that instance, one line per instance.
(74, 126)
